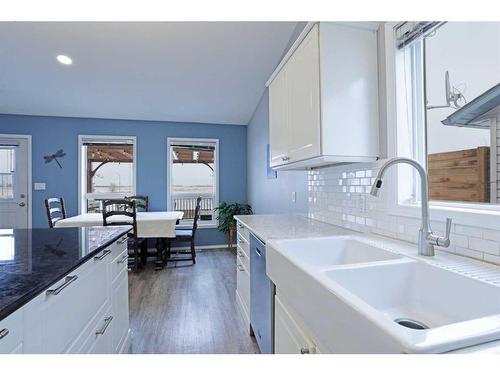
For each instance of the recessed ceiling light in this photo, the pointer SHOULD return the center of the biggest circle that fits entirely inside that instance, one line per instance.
(63, 59)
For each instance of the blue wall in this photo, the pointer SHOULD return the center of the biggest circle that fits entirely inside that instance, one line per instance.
(270, 196)
(53, 133)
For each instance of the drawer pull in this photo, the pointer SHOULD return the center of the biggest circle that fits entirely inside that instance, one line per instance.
(240, 226)
(240, 254)
(240, 268)
(68, 280)
(240, 240)
(122, 240)
(304, 351)
(105, 326)
(4, 332)
(104, 254)
(123, 259)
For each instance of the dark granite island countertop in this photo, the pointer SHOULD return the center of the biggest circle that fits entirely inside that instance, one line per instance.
(33, 259)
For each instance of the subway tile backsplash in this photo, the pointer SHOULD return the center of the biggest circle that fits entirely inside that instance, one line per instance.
(340, 196)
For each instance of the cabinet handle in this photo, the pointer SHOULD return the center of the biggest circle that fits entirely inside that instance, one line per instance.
(103, 329)
(123, 259)
(104, 254)
(122, 240)
(240, 254)
(304, 351)
(68, 280)
(240, 225)
(240, 268)
(4, 332)
(257, 251)
(240, 240)
(285, 158)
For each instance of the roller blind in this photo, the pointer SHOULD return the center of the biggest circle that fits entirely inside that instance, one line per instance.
(410, 32)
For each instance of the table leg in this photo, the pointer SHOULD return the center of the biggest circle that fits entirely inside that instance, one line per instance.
(160, 248)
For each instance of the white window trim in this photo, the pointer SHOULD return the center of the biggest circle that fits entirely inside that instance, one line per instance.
(472, 214)
(29, 201)
(170, 140)
(82, 208)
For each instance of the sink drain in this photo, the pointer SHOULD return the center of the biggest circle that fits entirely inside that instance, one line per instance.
(410, 323)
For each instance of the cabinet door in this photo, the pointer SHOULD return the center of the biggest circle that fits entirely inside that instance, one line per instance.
(278, 121)
(288, 337)
(303, 89)
(55, 321)
(120, 326)
(11, 333)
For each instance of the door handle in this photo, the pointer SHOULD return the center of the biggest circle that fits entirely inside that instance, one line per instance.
(22, 204)
(104, 254)
(68, 280)
(103, 329)
(4, 332)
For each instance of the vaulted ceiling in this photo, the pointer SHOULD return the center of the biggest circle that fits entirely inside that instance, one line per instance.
(208, 72)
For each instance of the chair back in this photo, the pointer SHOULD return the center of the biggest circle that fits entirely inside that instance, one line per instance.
(111, 208)
(141, 201)
(55, 210)
(196, 214)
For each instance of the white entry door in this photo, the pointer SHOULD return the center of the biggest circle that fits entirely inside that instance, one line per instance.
(14, 182)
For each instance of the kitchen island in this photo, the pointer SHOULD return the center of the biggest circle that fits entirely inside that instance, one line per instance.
(64, 290)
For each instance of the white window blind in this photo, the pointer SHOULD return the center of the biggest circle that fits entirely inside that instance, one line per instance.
(410, 32)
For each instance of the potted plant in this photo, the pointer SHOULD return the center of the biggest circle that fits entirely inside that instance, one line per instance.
(227, 223)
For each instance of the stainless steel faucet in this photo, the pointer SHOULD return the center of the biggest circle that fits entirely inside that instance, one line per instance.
(426, 239)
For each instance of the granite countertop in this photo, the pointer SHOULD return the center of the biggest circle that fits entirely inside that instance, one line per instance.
(284, 226)
(33, 259)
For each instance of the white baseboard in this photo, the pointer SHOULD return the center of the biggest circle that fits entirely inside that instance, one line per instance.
(208, 247)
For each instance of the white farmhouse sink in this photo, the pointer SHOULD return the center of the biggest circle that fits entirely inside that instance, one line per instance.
(350, 291)
(326, 252)
(457, 310)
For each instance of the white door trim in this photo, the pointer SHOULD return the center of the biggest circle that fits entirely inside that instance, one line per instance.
(27, 137)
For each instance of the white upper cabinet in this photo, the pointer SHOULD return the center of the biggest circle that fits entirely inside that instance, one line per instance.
(278, 133)
(323, 99)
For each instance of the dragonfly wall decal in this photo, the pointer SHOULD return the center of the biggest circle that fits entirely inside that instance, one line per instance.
(58, 154)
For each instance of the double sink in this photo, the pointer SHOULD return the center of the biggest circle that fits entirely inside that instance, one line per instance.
(360, 295)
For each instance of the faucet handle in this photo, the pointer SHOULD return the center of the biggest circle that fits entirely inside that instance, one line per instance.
(445, 241)
(448, 227)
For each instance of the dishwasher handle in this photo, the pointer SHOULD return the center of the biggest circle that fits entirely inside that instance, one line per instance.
(257, 251)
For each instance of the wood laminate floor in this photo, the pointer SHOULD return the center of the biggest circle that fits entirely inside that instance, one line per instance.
(188, 309)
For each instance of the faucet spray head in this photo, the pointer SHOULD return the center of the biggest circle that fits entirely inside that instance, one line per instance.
(376, 187)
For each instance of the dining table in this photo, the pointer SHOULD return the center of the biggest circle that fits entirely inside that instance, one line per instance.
(151, 224)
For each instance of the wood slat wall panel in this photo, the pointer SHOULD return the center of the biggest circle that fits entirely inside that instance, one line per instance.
(461, 176)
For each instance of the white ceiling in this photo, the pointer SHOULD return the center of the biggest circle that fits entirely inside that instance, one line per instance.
(211, 72)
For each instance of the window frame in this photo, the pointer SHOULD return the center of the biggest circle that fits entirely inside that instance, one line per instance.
(82, 208)
(484, 215)
(188, 224)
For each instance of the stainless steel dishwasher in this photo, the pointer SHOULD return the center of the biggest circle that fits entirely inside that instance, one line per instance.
(261, 297)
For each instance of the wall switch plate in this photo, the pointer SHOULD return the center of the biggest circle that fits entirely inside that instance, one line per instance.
(40, 186)
(294, 196)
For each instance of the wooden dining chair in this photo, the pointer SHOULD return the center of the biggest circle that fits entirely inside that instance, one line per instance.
(141, 201)
(55, 210)
(185, 235)
(111, 209)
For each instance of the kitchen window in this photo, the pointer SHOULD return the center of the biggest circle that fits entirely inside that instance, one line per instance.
(107, 170)
(192, 173)
(7, 171)
(441, 70)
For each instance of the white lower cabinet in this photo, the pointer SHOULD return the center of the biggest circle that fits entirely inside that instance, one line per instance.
(120, 313)
(85, 312)
(289, 336)
(11, 333)
(243, 274)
